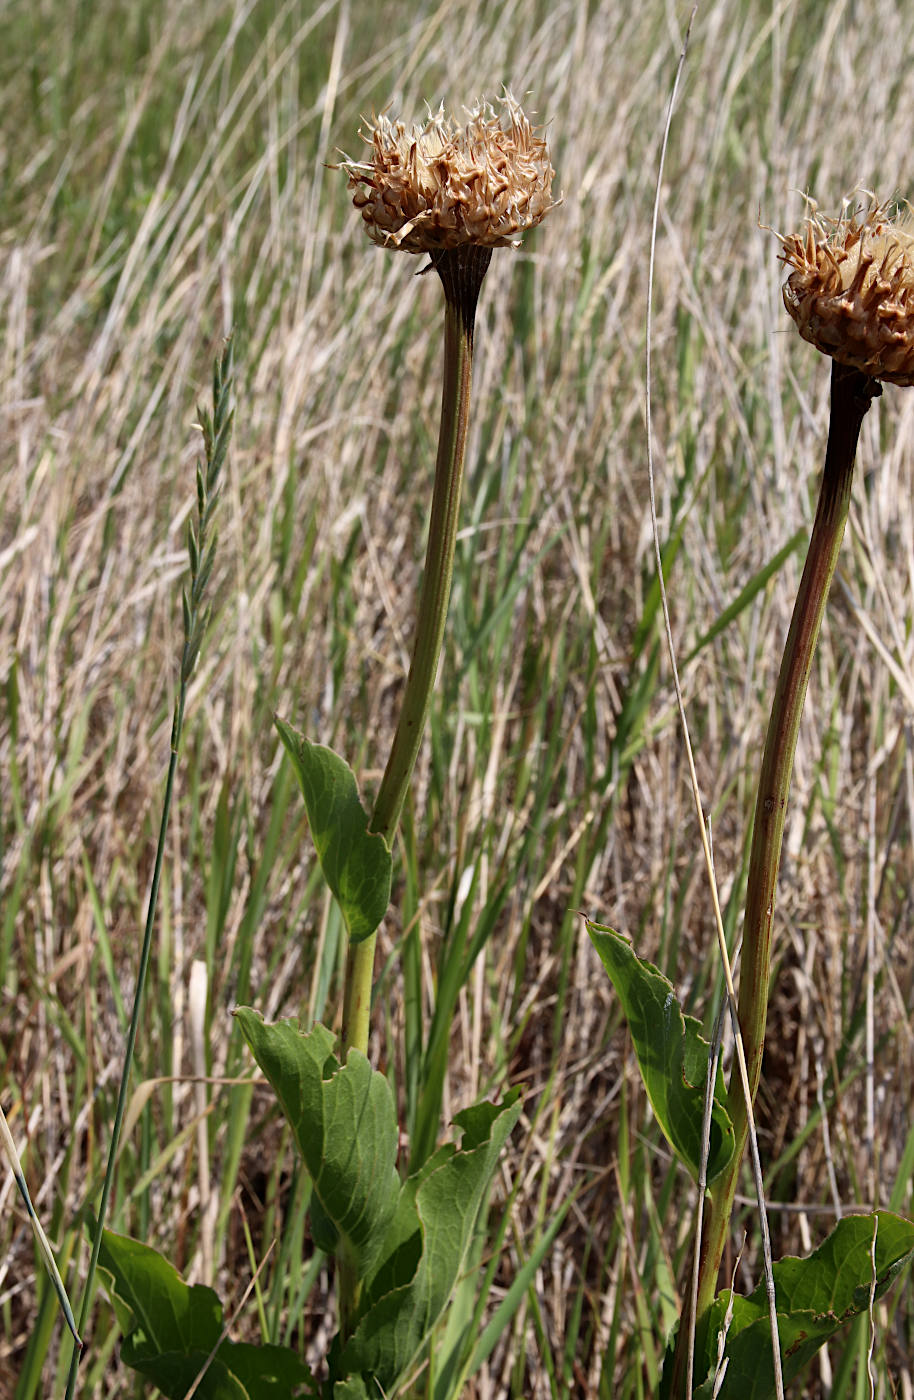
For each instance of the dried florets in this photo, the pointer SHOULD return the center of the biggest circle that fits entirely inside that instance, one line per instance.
(439, 185)
(851, 293)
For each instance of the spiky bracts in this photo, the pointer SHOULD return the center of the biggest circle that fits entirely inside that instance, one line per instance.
(438, 185)
(851, 292)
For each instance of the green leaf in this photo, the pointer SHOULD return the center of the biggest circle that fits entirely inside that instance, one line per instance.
(427, 1246)
(672, 1054)
(170, 1332)
(815, 1297)
(345, 1124)
(356, 862)
(354, 1389)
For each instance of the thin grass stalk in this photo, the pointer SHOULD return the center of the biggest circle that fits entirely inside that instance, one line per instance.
(685, 1342)
(177, 726)
(216, 435)
(851, 394)
(710, 1080)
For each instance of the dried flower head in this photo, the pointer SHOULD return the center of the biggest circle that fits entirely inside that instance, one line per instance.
(852, 290)
(438, 185)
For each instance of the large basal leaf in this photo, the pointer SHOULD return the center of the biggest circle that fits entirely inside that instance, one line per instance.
(815, 1297)
(672, 1054)
(426, 1248)
(356, 862)
(345, 1125)
(170, 1331)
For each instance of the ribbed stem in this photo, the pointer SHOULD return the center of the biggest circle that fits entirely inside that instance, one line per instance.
(851, 395)
(461, 272)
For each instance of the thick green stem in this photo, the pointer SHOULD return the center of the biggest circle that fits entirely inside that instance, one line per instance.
(461, 271)
(851, 395)
(461, 275)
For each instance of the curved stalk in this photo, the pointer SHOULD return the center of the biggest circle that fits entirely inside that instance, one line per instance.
(851, 395)
(217, 432)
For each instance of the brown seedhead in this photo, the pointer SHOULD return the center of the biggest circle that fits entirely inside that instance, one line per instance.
(438, 185)
(851, 292)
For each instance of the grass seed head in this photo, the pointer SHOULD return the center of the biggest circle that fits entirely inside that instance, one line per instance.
(438, 185)
(851, 291)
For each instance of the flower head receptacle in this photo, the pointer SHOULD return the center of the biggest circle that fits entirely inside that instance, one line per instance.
(439, 186)
(851, 291)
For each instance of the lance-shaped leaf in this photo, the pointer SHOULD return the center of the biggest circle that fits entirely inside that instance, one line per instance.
(356, 862)
(172, 1332)
(672, 1054)
(815, 1297)
(345, 1125)
(426, 1248)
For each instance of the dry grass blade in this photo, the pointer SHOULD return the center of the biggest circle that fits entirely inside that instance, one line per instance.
(47, 1253)
(705, 842)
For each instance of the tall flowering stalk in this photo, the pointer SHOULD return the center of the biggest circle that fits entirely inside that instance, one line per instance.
(455, 193)
(851, 294)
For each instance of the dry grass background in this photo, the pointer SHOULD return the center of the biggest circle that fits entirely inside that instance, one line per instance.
(162, 178)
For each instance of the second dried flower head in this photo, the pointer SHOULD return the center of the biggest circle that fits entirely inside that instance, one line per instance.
(851, 291)
(438, 185)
